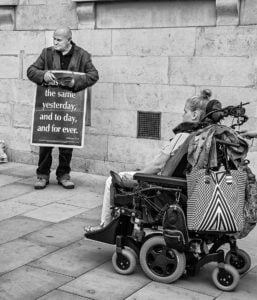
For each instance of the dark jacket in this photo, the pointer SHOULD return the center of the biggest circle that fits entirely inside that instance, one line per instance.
(49, 59)
(202, 146)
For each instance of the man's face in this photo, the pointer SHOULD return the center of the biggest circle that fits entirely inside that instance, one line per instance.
(61, 42)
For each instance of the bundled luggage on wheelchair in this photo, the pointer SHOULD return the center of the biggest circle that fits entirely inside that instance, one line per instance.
(175, 224)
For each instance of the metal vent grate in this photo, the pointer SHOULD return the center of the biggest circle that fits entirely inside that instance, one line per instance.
(148, 125)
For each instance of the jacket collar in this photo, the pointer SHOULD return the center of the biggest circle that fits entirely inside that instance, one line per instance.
(73, 61)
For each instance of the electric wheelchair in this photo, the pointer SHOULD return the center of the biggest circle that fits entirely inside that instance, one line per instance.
(150, 224)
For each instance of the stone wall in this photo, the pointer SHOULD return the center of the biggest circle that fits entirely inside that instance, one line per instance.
(151, 56)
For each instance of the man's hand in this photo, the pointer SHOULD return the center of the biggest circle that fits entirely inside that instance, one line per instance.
(50, 78)
(66, 81)
(71, 84)
(248, 134)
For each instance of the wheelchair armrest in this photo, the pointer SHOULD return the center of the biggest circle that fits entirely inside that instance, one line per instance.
(161, 180)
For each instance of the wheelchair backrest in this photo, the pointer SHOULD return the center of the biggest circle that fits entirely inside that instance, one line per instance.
(177, 163)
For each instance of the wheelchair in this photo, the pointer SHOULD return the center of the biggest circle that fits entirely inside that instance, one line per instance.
(150, 224)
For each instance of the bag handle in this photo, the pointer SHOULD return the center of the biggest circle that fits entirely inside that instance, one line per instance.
(225, 162)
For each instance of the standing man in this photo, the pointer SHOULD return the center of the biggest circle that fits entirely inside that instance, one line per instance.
(64, 55)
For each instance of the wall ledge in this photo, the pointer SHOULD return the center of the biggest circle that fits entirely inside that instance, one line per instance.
(86, 14)
(227, 12)
(9, 2)
(7, 14)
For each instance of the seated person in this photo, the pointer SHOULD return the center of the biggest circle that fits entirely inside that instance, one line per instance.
(194, 111)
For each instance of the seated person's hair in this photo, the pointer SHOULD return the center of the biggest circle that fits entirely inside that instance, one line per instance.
(200, 102)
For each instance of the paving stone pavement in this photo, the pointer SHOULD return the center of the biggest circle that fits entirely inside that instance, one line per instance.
(43, 254)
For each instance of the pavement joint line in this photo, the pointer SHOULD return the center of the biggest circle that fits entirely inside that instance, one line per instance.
(58, 249)
(17, 176)
(65, 292)
(16, 195)
(14, 198)
(89, 270)
(64, 204)
(220, 294)
(45, 269)
(51, 271)
(86, 209)
(20, 203)
(191, 290)
(56, 288)
(32, 204)
(150, 281)
(244, 274)
(24, 236)
(73, 277)
(76, 241)
(16, 201)
(27, 264)
(68, 197)
(50, 203)
(39, 243)
(179, 287)
(22, 214)
(11, 182)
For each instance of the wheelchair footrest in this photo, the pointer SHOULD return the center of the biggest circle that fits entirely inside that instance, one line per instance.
(107, 234)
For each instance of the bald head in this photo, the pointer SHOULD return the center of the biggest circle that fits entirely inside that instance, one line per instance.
(64, 32)
(62, 39)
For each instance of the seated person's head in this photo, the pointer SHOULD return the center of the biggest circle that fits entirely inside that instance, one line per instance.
(195, 107)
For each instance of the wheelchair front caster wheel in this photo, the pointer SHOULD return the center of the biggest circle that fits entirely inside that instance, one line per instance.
(239, 259)
(225, 278)
(161, 263)
(132, 251)
(125, 262)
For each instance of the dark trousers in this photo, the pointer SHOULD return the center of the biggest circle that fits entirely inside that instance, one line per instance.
(45, 161)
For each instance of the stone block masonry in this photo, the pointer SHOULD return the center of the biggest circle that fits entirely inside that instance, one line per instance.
(150, 56)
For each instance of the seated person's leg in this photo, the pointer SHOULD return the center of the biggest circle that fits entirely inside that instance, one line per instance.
(106, 208)
(106, 218)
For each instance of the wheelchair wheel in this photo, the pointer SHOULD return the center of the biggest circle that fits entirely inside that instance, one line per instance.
(240, 260)
(225, 278)
(125, 262)
(161, 263)
(132, 251)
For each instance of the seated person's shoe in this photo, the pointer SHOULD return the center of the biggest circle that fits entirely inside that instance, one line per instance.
(91, 229)
(66, 182)
(41, 183)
